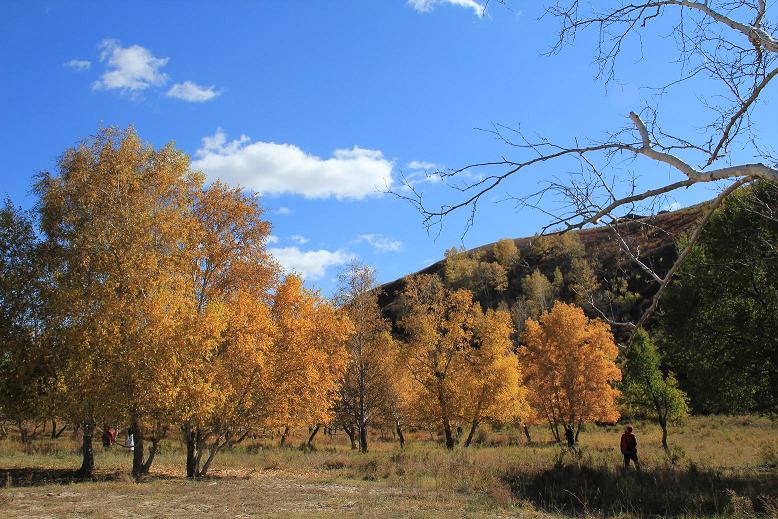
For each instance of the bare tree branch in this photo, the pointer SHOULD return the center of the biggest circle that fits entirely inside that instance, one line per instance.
(731, 43)
(693, 239)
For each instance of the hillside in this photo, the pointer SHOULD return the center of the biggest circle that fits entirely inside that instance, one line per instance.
(653, 236)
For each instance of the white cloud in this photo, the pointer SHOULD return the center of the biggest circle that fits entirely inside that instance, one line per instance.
(420, 164)
(425, 6)
(672, 207)
(312, 264)
(281, 210)
(192, 92)
(129, 68)
(421, 172)
(301, 240)
(272, 239)
(79, 65)
(271, 168)
(381, 243)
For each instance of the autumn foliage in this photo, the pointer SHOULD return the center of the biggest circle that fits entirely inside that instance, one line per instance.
(569, 368)
(461, 364)
(149, 299)
(165, 309)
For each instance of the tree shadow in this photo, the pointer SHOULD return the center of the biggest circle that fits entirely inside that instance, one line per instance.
(34, 476)
(585, 488)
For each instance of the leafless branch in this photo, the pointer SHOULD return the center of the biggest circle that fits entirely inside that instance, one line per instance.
(693, 239)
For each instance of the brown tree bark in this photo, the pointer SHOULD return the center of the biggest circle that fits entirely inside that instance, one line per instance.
(444, 417)
(309, 443)
(351, 437)
(87, 453)
(192, 437)
(399, 432)
(138, 451)
(473, 427)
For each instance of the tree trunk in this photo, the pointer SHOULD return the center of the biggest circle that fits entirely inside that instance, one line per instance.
(526, 433)
(362, 412)
(578, 430)
(363, 437)
(213, 449)
(284, 435)
(473, 427)
(53, 429)
(444, 416)
(399, 432)
(476, 417)
(351, 437)
(138, 450)
(57, 434)
(200, 440)
(309, 443)
(663, 425)
(447, 433)
(150, 459)
(191, 451)
(87, 454)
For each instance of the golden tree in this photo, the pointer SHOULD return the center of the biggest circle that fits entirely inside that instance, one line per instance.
(365, 392)
(117, 221)
(439, 325)
(241, 396)
(569, 368)
(491, 383)
(309, 355)
(231, 282)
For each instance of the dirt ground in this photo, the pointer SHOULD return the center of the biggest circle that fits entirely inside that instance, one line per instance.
(263, 494)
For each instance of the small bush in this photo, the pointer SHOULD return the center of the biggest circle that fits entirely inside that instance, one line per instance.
(739, 505)
(331, 464)
(482, 434)
(768, 455)
(676, 454)
(254, 448)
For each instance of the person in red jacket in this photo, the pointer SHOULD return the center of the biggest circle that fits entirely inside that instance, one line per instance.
(629, 448)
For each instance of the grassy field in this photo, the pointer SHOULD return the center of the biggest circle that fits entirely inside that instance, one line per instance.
(718, 466)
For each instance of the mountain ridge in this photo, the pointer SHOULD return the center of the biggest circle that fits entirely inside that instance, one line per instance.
(654, 236)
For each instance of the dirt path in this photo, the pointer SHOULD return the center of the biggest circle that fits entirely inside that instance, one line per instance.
(266, 494)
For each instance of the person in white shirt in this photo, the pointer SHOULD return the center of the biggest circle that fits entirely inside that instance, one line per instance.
(130, 443)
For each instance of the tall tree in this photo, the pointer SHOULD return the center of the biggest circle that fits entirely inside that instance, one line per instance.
(241, 396)
(492, 383)
(365, 390)
(646, 390)
(26, 365)
(231, 281)
(720, 332)
(569, 368)
(309, 354)
(116, 219)
(438, 324)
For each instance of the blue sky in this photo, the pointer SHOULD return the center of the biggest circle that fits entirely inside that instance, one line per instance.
(320, 104)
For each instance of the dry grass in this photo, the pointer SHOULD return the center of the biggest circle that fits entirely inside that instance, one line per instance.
(720, 465)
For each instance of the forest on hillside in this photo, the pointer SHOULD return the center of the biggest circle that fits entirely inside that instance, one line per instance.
(715, 325)
(135, 294)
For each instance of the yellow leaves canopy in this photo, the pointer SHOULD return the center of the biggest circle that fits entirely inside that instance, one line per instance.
(309, 353)
(569, 366)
